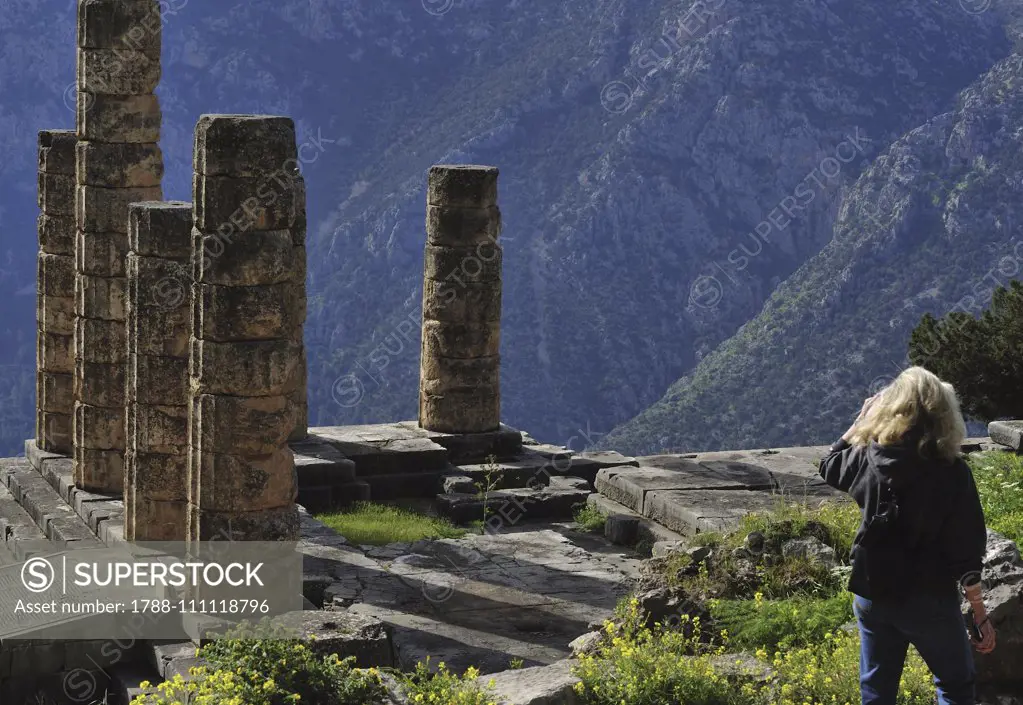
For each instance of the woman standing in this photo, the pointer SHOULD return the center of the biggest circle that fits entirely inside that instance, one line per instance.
(922, 535)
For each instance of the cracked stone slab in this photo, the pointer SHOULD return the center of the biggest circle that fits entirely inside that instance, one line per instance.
(631, 486)
(479, 600)
(385, 449)
(474, 447)
(693, 511)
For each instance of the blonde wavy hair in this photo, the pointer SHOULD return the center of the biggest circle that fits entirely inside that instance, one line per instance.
(917, 403)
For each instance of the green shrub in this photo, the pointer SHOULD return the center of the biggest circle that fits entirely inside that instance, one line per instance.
(774, 624)
(640, 666)
(424, 687)
(590, 518)
(999, 477)
(828, 673)
(268, 671)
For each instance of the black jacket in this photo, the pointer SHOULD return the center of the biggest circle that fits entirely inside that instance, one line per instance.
(939, 535)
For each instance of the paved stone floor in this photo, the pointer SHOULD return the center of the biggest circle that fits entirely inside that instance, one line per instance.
(483, 600)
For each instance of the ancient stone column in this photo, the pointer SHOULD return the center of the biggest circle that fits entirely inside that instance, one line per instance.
(159, 312)
(55, 309)
(249, 303)
(459, 388)
(118, 162)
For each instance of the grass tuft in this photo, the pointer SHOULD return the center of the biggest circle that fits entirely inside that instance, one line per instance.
(369, 524)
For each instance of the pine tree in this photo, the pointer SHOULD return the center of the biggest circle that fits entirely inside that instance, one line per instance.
(981, 357)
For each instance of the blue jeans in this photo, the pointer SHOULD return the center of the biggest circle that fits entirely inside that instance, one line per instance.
(931, 623)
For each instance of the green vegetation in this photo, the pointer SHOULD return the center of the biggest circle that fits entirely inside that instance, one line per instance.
(637, 665)
(999, 476)
(732, 573)
(796, 622)
(590, 518)
(979, 356)
(445, 688)
(380, 524)
(260, 668)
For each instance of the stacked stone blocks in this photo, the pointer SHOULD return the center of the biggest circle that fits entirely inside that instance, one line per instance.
(55, 307)
(248, 309)
(460, 363)
(158, 332)
(118, 162)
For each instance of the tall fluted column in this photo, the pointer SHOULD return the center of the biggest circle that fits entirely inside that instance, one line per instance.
(159, 326)
(118, 162)
(55, 309)
(460, 388)
(249, 305)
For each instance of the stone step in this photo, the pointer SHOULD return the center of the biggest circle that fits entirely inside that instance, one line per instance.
(508, 507)
(22, 538)
(649, 531)
(57, 519)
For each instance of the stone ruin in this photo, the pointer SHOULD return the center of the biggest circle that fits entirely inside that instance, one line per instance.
(172, 406)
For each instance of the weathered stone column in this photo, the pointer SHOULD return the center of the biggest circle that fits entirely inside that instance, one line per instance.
(118, 162)
(460, 388)
(55, 309)
(249, 306)
(159, 326)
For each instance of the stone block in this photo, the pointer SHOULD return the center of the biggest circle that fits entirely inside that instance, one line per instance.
(254, 258)
(97, 340)
(463, 186)
(118, 118)
(117, 72)
(56, 194)
(161, 477)
(155, 380)
(99, 384)
(621, 529)
(119, 165)
(57, 151)
(540, 685)
(126, 25)
(100, 297)
(464, 265)
(55, 432)
(365, 638)
(105, 210)
(56, 353)
(57, 314)
(57, 394)
(462, 227)
(444, 339)
(232, 483)
(158, 310)
(57, 233)
(99, 470)
(260, 368)
(280, 524)
(99, 428)
(464, 304)
(489, 385)
(160, 429)
(244, 145)
(161, 229)
(56, 275)
(250, 426)
(231, 206)
(460, 411)
(236, 313)
(1007, 433)
(160, 521)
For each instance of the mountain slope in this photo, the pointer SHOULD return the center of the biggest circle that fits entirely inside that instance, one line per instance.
(932, 226)
(613, 214)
